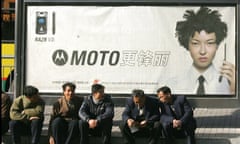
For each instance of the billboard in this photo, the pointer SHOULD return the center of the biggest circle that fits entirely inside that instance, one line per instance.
(128, 47)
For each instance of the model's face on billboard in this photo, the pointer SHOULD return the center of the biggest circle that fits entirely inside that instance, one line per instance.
(202, 47)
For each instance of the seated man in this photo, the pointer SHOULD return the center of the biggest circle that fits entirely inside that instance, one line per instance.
(63, 125)
(140, 118)
(5, 105)
(27, 115)
(176, 116)
(96, 113)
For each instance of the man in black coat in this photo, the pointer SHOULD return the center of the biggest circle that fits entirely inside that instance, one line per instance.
(176, 116)
(96, 113)
(140, 118)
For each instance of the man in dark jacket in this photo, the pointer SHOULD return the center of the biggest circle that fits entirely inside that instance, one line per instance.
(96, 113)
(176, 116)
(63, 125)
(140, 118)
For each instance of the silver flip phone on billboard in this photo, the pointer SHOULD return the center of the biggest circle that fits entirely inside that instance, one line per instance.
(41, 22)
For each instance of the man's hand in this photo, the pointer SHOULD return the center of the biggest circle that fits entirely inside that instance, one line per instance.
(34, 118)
(177, 123)
(130, 122)
(92, 123)
(51, 140)
(143, 123)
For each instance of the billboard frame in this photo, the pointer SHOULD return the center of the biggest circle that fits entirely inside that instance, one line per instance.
(20, 37)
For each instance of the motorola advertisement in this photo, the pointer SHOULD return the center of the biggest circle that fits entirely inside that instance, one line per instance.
(129, 47)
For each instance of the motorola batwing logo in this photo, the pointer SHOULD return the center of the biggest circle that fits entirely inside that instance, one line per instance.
(60, 57)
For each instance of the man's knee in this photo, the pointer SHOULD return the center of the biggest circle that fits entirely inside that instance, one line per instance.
(106, 124)
(73, 123)
(83, 124)
(166, 126)
(13, 122)
(37, 121)
(57, 122)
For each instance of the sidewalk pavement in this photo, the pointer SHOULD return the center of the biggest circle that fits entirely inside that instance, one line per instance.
(215, 125)
(218, 123)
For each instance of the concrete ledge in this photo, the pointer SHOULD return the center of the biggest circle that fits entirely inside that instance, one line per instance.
(119, 140)
(215, 126)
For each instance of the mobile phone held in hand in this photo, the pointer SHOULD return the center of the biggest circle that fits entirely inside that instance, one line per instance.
(220, 77)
